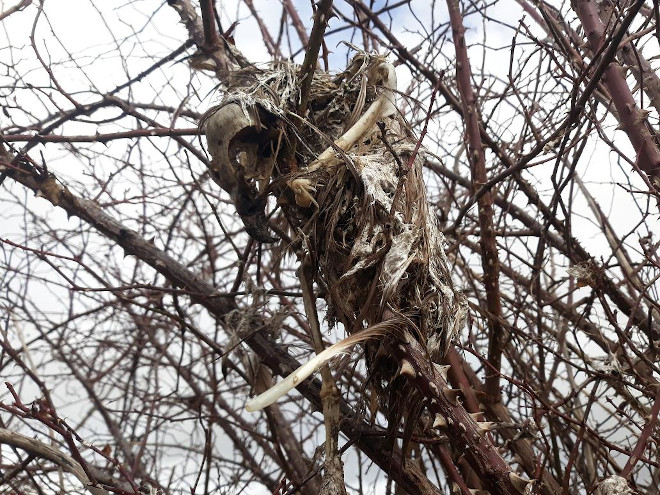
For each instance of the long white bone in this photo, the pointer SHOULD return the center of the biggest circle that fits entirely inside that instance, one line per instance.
(382, 107)
(294, 379)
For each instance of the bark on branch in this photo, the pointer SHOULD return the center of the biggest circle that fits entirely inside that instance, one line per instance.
(45, 451)
(489, 258)
(270, 353)
(633, 119)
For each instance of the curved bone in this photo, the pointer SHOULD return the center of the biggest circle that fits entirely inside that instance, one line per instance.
(222, 126)
(235, 163)
(382, 107)
(294, 379)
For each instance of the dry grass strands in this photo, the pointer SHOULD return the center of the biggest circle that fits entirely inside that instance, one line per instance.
(353, 195)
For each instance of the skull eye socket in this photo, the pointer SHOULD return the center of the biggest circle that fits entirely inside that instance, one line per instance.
(241, 158)
(266, 149)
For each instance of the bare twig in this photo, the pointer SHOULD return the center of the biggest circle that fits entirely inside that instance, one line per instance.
(45, 451)
(333, 477)
(644, 436)
(270, 353)
(19, 6)
(308, 67)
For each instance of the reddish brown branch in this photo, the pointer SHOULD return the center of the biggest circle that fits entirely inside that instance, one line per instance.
(465, 434)
(270, 353)
(211, 38)
(321, 18)
(100, 138)
(297, 22)
(489, 258)
(426, 125)
(272, 47)
(204, 34)
(462, 375)
(644, 436)
(632, 118)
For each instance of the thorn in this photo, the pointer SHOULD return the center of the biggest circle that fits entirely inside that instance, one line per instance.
(520, 483)
(439, 421)
(452, 394)
(479, 394)
(476, 416)
(442, 370)
(473, 491)
(485, 426)
(642, 115)
(406, 368)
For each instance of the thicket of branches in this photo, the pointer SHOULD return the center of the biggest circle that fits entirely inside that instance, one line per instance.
(138, 316)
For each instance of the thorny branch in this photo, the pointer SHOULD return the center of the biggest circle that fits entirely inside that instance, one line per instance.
(203, 293)
(143, 322)
(489, 257)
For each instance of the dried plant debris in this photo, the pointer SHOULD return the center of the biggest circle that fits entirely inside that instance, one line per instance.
(614, 485)
(348, 179)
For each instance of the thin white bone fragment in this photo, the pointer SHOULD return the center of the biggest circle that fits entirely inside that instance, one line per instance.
(294, 379)
(382, 107)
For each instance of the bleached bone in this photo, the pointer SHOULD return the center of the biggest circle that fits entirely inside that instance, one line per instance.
(294, 379)
(382, 107)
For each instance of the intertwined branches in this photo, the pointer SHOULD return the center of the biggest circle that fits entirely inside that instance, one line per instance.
(138, 316)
